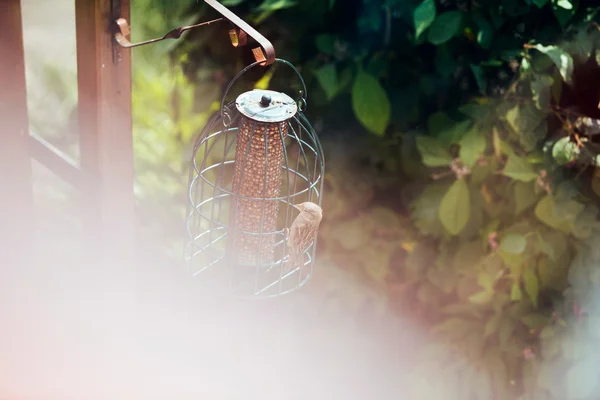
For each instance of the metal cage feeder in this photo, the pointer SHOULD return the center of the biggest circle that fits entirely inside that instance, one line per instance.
(251, 165)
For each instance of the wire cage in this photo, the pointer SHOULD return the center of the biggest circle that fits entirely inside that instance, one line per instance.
(252, 164)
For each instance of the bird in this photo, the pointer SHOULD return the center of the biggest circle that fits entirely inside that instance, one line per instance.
(302, 232)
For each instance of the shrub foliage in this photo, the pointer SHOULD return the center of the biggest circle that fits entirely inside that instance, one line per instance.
(485, 116)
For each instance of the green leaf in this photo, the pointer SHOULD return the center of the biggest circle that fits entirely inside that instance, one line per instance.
(482, 297)
(345, 78)
(445, 27)
(531, 284)
(369, 20)
(523, 118)
(524, 196)
(268, 7)
(476, 216)
(525, 66)
(536, 158)
(544, 211)
(513, 243)
(545, 247)
(566, 4)
(479, 172)
(423, 16)
(438, 122)
(325, 43)
(454, 133)
(432, 152)
(445, 129)
(455, 207)
(425, 209)
(540, 3)
(541, 88)
(557, 88)
(486, 31)
(494, 62)
(370, 103)
(566, 190)
(560, 58)
(274, 5)
(547, 332)
(517, 168)
(474, 110)
(479, 78)
(530, 139)
(564, 151)
(486, 280)
(515, 292)
(327, 77)
(472, 146)
(467, 258)
(492, 325)
(535, 320)
(586, 222)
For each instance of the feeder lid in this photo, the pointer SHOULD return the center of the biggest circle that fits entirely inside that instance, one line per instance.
(266, 105)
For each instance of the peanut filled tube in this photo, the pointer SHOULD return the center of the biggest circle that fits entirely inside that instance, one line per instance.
(257, 178)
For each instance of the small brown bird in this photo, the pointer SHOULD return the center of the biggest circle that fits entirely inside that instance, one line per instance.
(303, 232)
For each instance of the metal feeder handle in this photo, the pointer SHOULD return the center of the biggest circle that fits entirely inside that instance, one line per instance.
(264, 55)
(303, 93)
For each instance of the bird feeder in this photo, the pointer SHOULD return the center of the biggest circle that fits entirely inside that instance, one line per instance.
(251, 165)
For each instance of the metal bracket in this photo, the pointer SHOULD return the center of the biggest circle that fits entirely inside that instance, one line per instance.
(121, 35)
(265, 54)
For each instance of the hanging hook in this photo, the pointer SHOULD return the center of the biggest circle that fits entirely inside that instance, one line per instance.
(264, 54)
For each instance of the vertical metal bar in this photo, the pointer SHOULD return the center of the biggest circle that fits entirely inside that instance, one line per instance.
(16, 215)
(298, 139)
(232, 250)
(104, 85)
(287, 208)
(319, 157)
(220, 181)
(297, 170)
(210, 222)
(196, 195)
(288, 222)
(262, 213)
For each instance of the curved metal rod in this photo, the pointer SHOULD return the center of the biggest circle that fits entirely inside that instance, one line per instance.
(264, 54)
(121, 36)
(266, 58)
(303, 92)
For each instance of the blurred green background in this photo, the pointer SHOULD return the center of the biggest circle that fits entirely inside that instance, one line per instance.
(462, 168)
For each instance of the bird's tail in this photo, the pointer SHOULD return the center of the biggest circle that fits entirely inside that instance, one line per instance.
(294, 261)
(291, 264)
